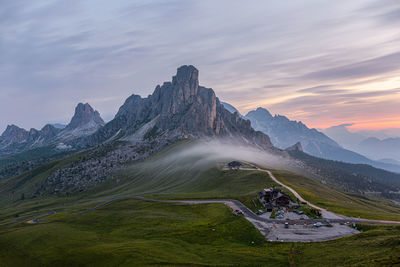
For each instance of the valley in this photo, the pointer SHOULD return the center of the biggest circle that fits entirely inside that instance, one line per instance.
(122, 230)
(154, 186)
(152, 233)
(199, 133)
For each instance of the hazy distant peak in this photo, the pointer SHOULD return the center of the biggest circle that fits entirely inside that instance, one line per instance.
(84, 114)
(13, 133)
(259, 113)
(295, 147)
(58, 125)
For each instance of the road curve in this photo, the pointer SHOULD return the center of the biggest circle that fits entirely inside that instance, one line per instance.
(328, 217)
(325, 213)
(36, 220)
(232, 203)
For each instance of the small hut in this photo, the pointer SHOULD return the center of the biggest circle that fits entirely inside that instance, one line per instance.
(234, 165)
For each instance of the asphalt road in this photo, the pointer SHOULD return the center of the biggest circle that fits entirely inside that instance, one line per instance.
(234, 204)
(36, 220)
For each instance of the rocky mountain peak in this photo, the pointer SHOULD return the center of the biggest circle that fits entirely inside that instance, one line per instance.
(49, 131)
(178, 109)
(84, 114)
(259, 113)
(186, 81)
(14, 133)
(295, 147)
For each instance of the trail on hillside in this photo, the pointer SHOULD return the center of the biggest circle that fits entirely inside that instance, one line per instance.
(235, 205)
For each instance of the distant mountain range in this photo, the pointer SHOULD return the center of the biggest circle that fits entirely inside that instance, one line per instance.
(381, 149)
(84, 122)
(285, 133)
(177, 110)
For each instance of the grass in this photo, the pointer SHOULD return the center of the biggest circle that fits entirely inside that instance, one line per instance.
(143, 233)
(139, 233)
(309, 211)
(32, 154)
(212, 183)
(377, 247)
(349, 205)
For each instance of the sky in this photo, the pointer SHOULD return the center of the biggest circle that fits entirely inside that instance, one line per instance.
(321, 62)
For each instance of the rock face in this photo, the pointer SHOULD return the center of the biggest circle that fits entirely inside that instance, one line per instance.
(284, 132)
(178, 109)
(84, 115)
(85, 121)
(295, 147)
(15, 139)
(14, 134)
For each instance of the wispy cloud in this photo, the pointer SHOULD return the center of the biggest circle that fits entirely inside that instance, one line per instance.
(317, 61)
(363, 69)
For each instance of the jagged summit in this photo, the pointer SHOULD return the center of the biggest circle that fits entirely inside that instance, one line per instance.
(259, 113)
(84, 114)
(13, 133)
(16, 139)
(85, 122)
(295, 147)
(178, 109)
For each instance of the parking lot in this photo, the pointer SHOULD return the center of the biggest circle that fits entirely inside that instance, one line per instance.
(301, 232)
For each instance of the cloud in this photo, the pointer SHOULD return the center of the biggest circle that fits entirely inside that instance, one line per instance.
(386, 12)
(344, 125)
(373, 67)
(286, 55)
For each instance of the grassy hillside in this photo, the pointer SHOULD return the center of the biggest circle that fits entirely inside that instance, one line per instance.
(138, 233)
(352, 177)
(182, 171)
(377, 247)
(142, 233)
(168, 175)
(24, 185)
(349, 205)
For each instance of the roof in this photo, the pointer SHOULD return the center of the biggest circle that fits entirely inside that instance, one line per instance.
(234, 163)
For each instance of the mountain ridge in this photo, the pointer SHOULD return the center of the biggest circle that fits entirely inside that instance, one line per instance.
(284, 133)
(181, 108)
(84, 122)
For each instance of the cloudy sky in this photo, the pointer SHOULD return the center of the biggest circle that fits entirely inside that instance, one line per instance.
(322, 62)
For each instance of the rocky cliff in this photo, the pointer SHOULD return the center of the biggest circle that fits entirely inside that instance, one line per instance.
(85, 122)
(178, 109)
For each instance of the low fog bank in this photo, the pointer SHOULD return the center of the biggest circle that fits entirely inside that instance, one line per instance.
(192, 155)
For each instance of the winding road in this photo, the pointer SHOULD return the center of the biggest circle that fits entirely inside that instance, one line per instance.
(328, 217)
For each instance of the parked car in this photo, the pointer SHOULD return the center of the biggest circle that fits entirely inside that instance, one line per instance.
(238, 212)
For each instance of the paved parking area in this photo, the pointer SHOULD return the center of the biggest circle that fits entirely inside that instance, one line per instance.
(301, 232)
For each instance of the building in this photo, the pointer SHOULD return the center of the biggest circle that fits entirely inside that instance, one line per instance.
(272, 198)
(234, 165)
